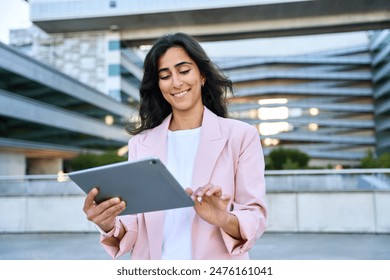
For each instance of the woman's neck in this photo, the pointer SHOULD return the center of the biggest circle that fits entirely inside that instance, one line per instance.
(186, 120)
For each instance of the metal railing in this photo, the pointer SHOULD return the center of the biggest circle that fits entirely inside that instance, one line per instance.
(328, 171)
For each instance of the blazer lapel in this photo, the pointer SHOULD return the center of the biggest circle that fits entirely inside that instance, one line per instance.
(211, 144)
(155, 145)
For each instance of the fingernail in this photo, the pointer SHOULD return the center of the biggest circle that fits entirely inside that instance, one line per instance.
(199, 199)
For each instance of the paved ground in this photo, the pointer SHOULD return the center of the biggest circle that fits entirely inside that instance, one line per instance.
(271, 246)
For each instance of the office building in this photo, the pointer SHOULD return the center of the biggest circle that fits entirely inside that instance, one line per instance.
(332, 105)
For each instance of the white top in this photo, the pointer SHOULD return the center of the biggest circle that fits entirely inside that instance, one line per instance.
(182, 148)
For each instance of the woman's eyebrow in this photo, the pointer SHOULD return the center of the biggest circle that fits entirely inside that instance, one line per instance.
(176, 65)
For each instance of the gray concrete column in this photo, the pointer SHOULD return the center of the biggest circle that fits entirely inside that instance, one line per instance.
(44, 165)
(12, 164)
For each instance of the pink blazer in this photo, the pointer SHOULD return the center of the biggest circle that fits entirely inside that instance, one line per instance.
(230, 156)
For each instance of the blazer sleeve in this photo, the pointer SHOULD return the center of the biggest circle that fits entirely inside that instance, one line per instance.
(121, 239)
(249, 205)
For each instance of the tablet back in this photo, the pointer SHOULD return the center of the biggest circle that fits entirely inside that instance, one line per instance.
(145, 185)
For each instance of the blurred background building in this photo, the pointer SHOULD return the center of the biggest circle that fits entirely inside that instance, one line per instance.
(72, 85)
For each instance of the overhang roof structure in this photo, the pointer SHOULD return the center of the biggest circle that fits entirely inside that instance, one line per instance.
(141, 22)
(40, 105)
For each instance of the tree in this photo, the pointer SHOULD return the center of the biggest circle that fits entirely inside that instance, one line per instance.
(84, 161)
(370, 161)
(281, 158)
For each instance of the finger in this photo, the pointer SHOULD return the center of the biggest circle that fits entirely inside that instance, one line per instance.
(108, 213)
(107, 219)
(215, 190)
(199, 199)
(89, 200)
(106, 222)
(202, 190)
(114, 210)
(189, 191)
(208, 190)
(103, 206)
(195, 195)
(225, 197)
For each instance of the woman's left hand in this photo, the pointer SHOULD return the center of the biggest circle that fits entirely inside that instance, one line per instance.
(210, 204)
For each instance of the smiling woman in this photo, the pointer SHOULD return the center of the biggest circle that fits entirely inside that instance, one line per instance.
(218, 161)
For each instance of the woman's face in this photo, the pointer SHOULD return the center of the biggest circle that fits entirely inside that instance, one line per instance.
(180, 81)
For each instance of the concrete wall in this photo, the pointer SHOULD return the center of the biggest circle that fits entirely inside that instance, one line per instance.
(360, 212)
(42, 206)
(50, 206)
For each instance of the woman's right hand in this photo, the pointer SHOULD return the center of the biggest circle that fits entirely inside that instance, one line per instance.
(103, 214)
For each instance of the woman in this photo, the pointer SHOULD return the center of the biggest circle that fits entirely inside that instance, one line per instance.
(218, 160)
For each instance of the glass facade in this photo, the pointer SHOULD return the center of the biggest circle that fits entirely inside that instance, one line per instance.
(319, 103)
(380, 51)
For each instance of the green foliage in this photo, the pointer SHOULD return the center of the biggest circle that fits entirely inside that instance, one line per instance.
(84, 161)
(269, 165)
(286, 159)
(384, 160)
(289, 164)
(370, 161)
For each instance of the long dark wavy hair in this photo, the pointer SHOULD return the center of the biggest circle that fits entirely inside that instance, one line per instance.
(153, 108)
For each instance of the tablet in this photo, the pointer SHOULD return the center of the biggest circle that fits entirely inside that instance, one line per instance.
(145, 185)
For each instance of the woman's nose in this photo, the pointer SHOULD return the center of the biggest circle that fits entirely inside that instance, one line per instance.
(177, 82)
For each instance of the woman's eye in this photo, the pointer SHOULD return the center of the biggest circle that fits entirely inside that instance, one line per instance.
(165, 77)
(185, 72)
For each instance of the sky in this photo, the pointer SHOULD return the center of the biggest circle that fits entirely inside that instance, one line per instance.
(14, 14)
